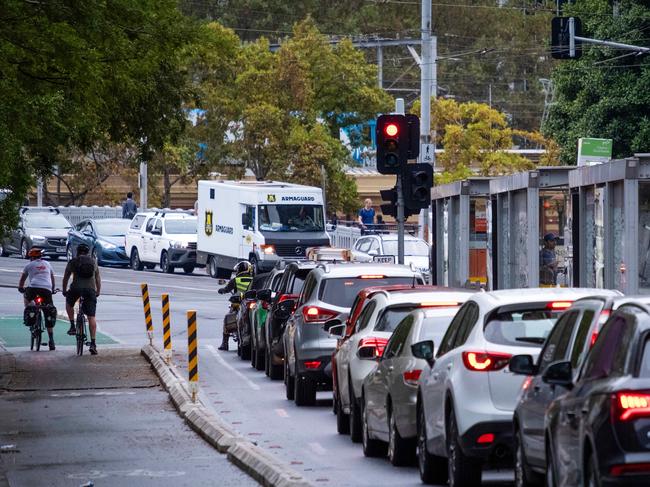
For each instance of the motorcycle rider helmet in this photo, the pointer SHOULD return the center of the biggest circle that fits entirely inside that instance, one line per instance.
(35, 253)
(243, 267)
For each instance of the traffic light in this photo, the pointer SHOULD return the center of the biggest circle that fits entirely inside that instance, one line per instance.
(417, 180)
(391, 143)
(563, 33)
(389, 195)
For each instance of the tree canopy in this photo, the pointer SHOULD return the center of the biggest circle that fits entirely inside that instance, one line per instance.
(606, 94)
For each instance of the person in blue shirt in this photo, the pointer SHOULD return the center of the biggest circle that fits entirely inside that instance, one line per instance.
(548, 260)
(367, 215)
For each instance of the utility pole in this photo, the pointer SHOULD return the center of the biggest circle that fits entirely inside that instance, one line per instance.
(39, 192)
(142, 183)
(380, 67)
(399, 109)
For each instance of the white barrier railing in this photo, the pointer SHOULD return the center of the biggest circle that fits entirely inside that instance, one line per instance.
(76, 214)
(344, 237)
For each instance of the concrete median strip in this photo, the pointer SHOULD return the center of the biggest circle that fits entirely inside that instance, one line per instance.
(254, 460)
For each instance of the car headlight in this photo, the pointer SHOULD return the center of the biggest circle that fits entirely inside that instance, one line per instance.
(178, 245)
(107, 245)
(38, 238)
(268, 249)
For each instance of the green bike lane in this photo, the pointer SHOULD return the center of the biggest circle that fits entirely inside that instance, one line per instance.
(13, 334)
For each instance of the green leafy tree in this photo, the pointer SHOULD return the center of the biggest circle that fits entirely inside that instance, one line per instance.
(606, 94)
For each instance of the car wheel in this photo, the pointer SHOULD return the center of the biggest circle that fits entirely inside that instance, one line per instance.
(68, 253)
(3, 251)
(305, 394)
(523, 475)
(462, 469)
(245, 349)
(342, 419)
(592, 477)
(24, 249)
(550, 468)
(400, 451)
(136, 263)
(433, 469)
(276, 371)
(188, 269)
(165, 265)
(371, 447)
(260, 359)
(355, 416)
(288, 382)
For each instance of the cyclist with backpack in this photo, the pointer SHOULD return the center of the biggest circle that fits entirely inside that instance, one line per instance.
(41, 283)
(86, 283)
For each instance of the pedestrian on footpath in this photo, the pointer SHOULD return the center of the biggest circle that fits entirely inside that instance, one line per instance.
(129, 208)
(367, 216)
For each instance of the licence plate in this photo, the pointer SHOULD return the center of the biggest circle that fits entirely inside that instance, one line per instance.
(60, 250)
(384, 259)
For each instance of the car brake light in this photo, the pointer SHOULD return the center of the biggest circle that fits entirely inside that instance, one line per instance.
(485, 361)
(485, 439)
(312, 364)
(594, 337)
(559, 304)
(527, 381)
(630, 405)
(251, 305)
(371, 276)
(371, 348)
(411, 377)
(312, 314)
(285, 297)
(630, 468)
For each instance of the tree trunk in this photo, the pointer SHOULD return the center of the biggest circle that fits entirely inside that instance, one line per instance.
(167, 188)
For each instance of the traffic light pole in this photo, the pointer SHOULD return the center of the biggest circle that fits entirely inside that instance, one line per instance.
(400, 221)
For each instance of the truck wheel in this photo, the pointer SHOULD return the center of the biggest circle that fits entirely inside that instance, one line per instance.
(136, 263)
(165, 265)
(212, 267)
(188, 269)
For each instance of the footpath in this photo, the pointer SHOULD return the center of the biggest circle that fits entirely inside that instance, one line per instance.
(102, 420)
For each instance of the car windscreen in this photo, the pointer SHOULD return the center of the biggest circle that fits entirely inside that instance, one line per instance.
(184, 226)
(527, 326)
(298, 281)
(391, 317)
(113, 228)
(411, 247)
(46, 220)
(435, 324)
(341, 291)
(291, 218)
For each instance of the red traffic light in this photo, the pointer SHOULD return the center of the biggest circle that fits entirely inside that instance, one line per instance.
(391, 129)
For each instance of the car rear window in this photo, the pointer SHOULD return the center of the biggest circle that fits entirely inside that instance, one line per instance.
(434, 326)
(391, 317)
(299, 281)
(341, 291)
(644, 369)
(528, 326)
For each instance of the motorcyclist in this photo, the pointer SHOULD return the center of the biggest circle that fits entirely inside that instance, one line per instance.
(41, 283)
(237, 285)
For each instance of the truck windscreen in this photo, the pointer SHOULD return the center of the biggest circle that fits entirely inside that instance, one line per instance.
(291, 218)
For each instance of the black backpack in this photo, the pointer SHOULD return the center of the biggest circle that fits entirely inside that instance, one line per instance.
(85, 266)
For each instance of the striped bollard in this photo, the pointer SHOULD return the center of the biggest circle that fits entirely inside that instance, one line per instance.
(147, 312)
(167, 332)
(192, 354)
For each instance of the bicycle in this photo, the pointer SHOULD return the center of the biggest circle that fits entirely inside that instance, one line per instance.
(37, 322)
(80, 328)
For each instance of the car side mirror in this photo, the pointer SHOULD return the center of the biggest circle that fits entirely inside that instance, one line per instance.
(424, 350)
(264, 295)
(284, 309)
(559, 374)
(522, 365)
(156, 232)
(250, 294)
(235, 299)
(245, 220)
(373, 252)
(337, 331)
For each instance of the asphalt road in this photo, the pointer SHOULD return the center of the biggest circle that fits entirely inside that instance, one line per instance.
(306, 438)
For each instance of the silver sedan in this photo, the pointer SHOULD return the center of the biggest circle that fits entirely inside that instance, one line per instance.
(390, 390)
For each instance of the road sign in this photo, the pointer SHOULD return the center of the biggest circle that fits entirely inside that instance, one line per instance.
(384, 259)
(427, 154)
(594, 151)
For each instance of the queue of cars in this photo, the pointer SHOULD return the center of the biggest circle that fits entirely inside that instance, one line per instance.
(552, 381)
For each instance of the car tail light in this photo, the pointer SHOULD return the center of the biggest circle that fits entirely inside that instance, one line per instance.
(371, 276)
(411, 377)
(559, 304)
(631, 405)
(265, 305)
(251, 304)
(312, 314)
(485, 439)
(312, 364)
(630, 468)
(286, 297)
(485, 361)
(371, 348)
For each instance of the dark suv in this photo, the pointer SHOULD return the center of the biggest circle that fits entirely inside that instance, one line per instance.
(43, 228)
(289, 288)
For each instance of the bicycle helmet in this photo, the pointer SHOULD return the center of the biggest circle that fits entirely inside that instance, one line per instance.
(83, 249)
(35, 253)
(243, 267)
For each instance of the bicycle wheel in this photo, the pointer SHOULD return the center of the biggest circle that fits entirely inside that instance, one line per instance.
(38, 330)
(80, 332)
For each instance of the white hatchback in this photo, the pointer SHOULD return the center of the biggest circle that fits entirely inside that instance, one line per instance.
(467, 397)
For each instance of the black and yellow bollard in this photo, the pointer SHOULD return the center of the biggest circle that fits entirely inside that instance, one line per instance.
(192, 354)
(147, 312)
(167, 332)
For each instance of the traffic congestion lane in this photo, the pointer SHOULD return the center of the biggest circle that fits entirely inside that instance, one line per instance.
(305, 438)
